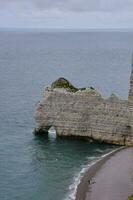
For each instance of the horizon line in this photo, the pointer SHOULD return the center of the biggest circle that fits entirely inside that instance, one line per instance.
(65, 29)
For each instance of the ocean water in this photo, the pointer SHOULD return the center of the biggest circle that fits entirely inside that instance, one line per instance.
(45, 168)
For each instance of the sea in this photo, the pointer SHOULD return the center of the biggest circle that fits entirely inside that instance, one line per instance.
(45, 167)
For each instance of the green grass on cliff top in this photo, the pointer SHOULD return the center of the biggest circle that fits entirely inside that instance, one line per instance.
(131, 197)
(63, 83)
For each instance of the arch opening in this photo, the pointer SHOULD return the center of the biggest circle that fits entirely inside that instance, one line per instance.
(52, 132)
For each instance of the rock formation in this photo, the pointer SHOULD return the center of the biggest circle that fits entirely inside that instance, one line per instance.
(83, 112)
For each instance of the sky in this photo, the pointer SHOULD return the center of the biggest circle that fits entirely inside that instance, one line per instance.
(66, 14)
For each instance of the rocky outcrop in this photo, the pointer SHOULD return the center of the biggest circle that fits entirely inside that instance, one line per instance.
(82, 112)
(130, 97)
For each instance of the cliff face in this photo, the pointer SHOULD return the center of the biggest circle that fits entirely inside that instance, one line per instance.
(84, 113)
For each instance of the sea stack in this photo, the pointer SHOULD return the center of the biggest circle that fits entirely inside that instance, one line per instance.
(83, 112)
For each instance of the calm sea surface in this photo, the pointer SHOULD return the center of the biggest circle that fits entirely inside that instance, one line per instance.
(44, 168)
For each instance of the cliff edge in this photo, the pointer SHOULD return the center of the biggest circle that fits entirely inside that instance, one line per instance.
(82, 112)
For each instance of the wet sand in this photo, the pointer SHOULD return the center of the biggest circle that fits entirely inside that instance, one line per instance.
(109, 179)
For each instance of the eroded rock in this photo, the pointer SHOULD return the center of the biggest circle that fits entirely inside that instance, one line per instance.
(82, 112)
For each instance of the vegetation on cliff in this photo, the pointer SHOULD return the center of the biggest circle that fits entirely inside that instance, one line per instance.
(131, 197)
(63, 83)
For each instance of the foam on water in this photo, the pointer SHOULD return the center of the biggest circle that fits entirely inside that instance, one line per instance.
(76, 181)
(78, 177)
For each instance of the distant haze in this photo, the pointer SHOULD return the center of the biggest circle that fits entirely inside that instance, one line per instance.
(66, 13)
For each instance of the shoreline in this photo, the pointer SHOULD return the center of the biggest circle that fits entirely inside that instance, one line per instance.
(85, 184)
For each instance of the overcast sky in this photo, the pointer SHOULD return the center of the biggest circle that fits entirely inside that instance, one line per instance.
(66, 13)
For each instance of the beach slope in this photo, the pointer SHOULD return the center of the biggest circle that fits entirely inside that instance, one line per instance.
(109, 179)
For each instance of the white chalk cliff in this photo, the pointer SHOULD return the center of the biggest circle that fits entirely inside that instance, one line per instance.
(84, 113)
